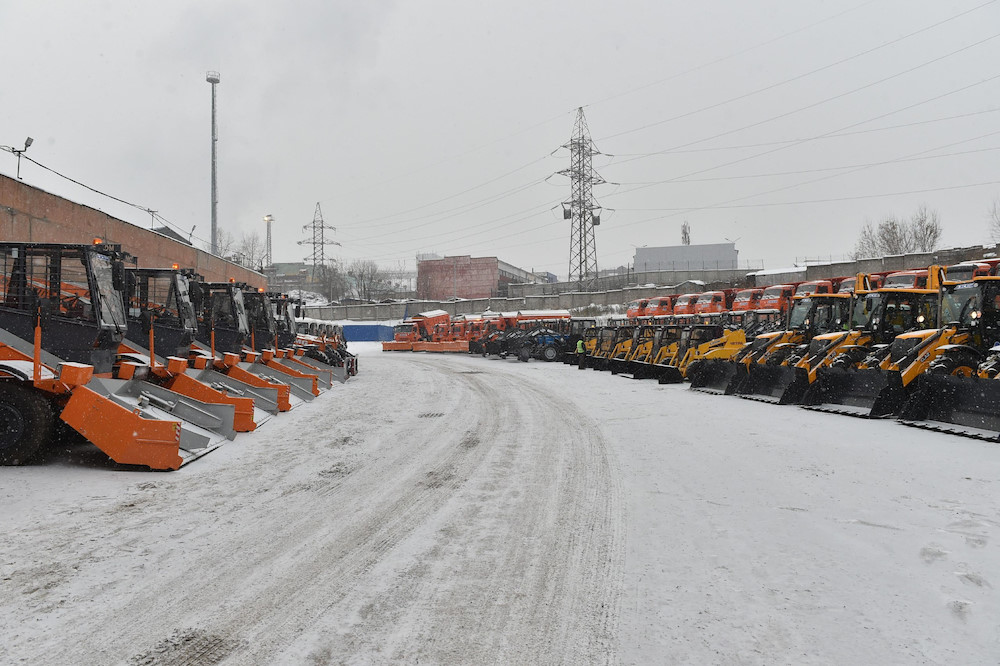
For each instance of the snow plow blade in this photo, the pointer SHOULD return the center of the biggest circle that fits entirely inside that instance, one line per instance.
(139, 434)
(714, 376)
(670, 374)
(866, 393)
(967, 406)
(777, 384)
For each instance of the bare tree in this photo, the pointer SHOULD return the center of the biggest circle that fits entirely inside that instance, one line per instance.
(225, 243)
(333, 281)
(925, 229)
(994, 215)
(251, 250)
(895, 236)
(368, 281)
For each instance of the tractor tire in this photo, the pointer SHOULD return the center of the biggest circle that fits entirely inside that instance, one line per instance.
(523, 354)
(550, 353)
(963, 365)
(26, 423)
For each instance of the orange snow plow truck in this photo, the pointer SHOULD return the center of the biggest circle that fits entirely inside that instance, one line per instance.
(418, 328)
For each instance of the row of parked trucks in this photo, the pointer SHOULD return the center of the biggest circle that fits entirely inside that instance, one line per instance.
(154, 366)
(921, 346)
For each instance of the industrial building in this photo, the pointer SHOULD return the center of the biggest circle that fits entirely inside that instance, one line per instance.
(467, 277)
(710, 256)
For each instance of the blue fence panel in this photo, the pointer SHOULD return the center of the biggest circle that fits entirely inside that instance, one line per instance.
(367, 333)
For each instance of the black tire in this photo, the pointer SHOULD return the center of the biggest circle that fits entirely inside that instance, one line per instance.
(964, 365)
(26, 423)
(550, 353)
(523, 354)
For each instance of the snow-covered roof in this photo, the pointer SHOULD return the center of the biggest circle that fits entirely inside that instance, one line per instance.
(431, 313)
(779, 271)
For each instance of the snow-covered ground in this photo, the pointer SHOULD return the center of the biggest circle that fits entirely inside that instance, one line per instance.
(449, 509)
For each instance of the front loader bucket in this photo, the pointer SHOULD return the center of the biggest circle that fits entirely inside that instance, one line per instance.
(777, 384)
(967, 406)
(867, 393)
(714, 376)
(670, 374)
(616, 365)
(644, 370)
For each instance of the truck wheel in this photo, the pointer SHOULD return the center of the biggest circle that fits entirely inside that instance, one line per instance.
(550, 353)
(26, 423)
(963, 365)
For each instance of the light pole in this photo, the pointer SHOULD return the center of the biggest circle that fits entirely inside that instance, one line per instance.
(27, 143)
(213, 78)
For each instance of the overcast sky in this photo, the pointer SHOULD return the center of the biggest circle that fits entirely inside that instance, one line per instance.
(435, 126)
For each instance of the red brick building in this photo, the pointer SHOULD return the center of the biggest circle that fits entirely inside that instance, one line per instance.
(466, 277)
(28, 214)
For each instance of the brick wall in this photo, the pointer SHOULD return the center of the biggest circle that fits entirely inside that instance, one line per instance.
(28, 214)
(458, 277)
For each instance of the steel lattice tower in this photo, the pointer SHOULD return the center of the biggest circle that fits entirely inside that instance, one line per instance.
(268, 219)
(318, 241)
(581, 209)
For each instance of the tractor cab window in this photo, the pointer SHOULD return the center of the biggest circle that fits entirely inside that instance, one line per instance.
(800, 313)
(961, 305)
(864, 309)
(112, 307)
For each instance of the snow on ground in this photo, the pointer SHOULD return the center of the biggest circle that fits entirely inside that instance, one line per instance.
(458, 509)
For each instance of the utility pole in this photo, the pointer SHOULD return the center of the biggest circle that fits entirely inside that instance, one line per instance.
(213, 78)
(318, 241)
(582, 211)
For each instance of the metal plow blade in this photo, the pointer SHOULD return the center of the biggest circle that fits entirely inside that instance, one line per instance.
(869, 393)
(670, 374)
(716, 376)
(777, 384)
(967, 406)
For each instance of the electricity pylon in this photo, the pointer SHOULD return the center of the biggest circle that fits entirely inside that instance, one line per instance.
(318, 241)
(583, 212)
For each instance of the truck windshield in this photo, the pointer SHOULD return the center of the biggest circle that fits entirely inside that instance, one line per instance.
(112, 306)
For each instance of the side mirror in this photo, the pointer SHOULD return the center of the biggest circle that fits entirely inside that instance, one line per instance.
(298, 311)
(118, 275)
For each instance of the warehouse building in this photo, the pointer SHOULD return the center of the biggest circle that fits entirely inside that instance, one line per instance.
(464, 276)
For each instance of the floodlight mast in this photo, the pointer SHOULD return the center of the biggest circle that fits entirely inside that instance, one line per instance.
(213, 78)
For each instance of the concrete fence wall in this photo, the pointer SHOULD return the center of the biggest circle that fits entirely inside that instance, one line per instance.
(548, 296)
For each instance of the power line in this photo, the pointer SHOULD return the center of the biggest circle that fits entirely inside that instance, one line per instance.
(736, 54)
(801, 139)
(830, 133)
(822, 169)
(807, 74)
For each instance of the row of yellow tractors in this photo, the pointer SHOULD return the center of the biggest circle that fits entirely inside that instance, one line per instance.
(928, 355)
(156, 367)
